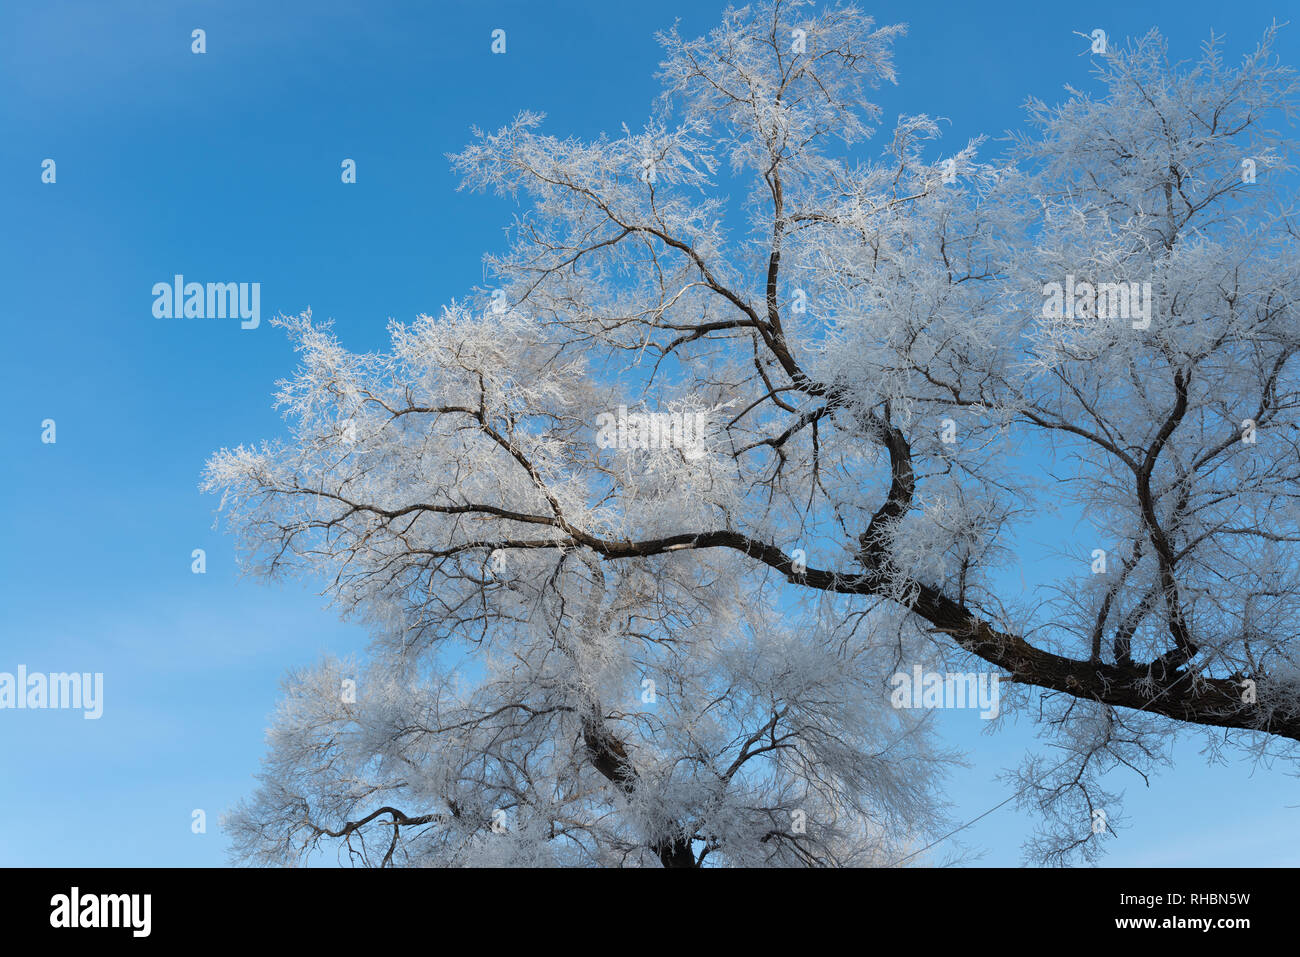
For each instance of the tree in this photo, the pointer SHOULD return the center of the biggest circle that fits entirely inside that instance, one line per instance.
(643, 531)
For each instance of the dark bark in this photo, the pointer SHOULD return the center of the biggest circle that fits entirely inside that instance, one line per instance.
(609, 757)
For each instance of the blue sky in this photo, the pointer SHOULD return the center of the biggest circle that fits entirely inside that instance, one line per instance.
(226, 166)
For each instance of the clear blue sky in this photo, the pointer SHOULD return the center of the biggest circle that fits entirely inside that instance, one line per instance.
(225, 166)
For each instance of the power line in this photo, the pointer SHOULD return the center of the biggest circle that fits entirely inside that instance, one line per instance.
(963, 827)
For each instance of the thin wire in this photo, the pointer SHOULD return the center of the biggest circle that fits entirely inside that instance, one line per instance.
(902, 860)
(1010, 799)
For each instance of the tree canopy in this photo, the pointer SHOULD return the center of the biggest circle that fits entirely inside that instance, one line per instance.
(836, 378)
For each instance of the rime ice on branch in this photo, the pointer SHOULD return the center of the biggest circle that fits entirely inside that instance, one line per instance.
(620, 653)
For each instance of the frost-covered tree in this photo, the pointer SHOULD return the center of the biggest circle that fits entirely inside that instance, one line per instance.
(745, 425)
